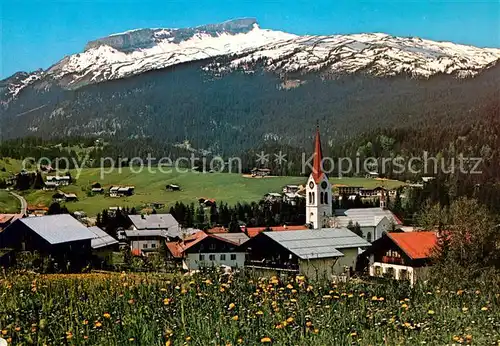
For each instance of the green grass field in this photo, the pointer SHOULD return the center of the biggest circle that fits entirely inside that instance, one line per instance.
(8, 203)
(150, 188)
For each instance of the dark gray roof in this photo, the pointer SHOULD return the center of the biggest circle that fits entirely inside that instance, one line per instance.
(58, 229)
(101, 238)
(154, 221)
(317, 243)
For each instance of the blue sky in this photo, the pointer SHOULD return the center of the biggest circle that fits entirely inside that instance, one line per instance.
(37, 34)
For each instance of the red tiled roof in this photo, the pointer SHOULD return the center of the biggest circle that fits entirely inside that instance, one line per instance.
(417, 245)
(253, 231)
(178, 248)
(4, 218)
(175, 249)
(215, 230)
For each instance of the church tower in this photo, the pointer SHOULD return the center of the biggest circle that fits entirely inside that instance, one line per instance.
(318, 191)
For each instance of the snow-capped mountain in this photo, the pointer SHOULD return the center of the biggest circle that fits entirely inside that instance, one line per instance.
(244, 43)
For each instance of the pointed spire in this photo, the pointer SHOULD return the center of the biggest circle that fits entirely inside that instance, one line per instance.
(317, 170)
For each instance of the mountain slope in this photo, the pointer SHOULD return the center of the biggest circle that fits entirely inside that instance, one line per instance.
(230, 86)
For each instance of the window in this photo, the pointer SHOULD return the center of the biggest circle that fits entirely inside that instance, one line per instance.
(202, 257)
(369, 236)
(213, 246)
(310, 198)
(325, 198)
(145, 246)
(233, 257)
(153, 245)
(223, 257)
(378, 271)
(403, 274)
(313, 198)
(321, 197)
(211, 257)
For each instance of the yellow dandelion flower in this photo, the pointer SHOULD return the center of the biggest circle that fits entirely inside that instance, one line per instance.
(4, 332)
(316, 331)
(107, 315)
(17, 329)
(484, 308)
(289, 319)
(131, 339)
(289, 286)
(240, 341)
(353, 334)
(468, 337)
(361, 294)
(188, 338)
(460, 292)
(327, 296)
(374, 298)
(98, 324)
(265, 340)
(308, 324)
(259, 313)
(465, 309)
(293, 300)
(430, 312)
(381, 299)
(231, 306)
(404, 306)
(85, 322)
(235, 318)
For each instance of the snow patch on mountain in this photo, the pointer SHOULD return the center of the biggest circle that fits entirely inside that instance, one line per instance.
(377, 54)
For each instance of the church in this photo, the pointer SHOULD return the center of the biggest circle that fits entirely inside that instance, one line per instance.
(318, 191)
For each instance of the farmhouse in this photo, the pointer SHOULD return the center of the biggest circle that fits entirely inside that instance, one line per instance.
(59, 180)
(61, 237)
(207, 250)
(260, 172)
(401, 256)
(373, 221)
(50, 185)
(318, 253)
(37, 210)
(148, 232)
(64, 197)
(117, 191)
(7, 219)
(102, 244)
(173, 187)
(272, 197)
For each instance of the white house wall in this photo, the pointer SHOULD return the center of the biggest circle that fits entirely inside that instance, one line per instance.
(193, 262)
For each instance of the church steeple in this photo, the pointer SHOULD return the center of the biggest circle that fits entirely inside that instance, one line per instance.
(317, 170)
(319, 190)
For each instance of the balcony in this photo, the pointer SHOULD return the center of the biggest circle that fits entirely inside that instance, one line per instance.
(392, 260)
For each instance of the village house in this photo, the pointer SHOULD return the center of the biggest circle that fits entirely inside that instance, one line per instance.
(401, 255)
(59, 180)
(173, 187)
(148, 232)
(207, 202)
(117, 191)
(7, 219)
(372, 221)
(348, 190)
(64, 197)
(202, 250)
(36, 210)
(260, 172)
(272, 197)
(317, 253)
(61, 237)
(102, 244)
